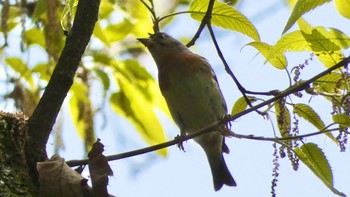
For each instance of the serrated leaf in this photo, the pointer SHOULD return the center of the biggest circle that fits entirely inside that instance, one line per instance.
(241, 104)
(278, 61)
(283, 118)
(300, 8)
(21, 68)
(313, 157)
(224, 16)
(324, 42)
(343, 7)
(306, 112)
(342, 119)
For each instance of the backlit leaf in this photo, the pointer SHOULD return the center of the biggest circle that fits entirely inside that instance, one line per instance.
(224, 16)
(343, 7)
(342, 119)
(278, 61)
(306, 112)
(313, 157)
(300, 8)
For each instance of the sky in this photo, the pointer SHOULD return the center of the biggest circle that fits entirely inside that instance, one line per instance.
(250, 162)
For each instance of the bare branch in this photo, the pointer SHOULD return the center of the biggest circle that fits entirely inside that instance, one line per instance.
(206, 19)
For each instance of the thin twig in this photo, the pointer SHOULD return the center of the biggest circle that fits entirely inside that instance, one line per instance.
(206, 19)
(73, 163)
(227, 68)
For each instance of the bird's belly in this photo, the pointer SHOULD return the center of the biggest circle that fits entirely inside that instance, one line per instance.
(194, 102)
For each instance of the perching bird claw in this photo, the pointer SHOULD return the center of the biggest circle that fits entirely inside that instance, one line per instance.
(180, 139)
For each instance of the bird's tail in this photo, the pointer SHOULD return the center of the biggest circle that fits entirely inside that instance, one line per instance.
(221, 174)
(219, 170)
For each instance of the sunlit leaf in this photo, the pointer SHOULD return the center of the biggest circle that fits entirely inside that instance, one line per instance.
(116, 32)
(300, 8)
(241, 104)
(106, 9)
(306, 112)
(68, 14)
(140, 17)
(325, 43)
(328, 83)
(35, 36)
(343, 7)
(42, 69)
(40, 9)
(100, 34)
(136, 100)
(80, 110)
(278, 61)
(21, 68)
(342, 119)
(314, 158)
(224, 16)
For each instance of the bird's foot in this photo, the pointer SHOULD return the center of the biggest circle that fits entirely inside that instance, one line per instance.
(180, 139)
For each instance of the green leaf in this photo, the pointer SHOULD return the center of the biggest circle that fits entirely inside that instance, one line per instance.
(20, 67)
(106, 9)
(343, 7)
(323, 42)
(139, 16)
(241, 104)
(42, 69)
(100, 34)
(224, 16)
(342, 119)
(278, 61)
(300, 8)
(328, 83)
(103, 76)
(80, 110)
(130, 104)
(283, 118)
(136, 100)
(306, 112)
(313, 157)
(40, 9)
(35, 36)
(68, 14)
(116, 32)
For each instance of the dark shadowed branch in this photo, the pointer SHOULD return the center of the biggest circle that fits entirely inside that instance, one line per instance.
(43, 118)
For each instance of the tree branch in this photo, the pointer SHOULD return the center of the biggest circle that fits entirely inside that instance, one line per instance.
(214, 125)
(43, 118)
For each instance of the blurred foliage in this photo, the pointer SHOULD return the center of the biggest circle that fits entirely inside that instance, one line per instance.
(112, 61)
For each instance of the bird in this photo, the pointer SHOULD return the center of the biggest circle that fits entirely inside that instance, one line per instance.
(192, 93)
